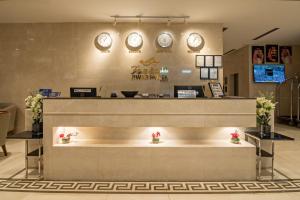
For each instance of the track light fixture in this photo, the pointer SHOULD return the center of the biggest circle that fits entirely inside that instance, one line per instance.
(140, 17)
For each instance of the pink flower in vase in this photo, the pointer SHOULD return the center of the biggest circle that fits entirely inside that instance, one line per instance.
(157, 134)
(235, 135)
(61, 135)
(155, 137)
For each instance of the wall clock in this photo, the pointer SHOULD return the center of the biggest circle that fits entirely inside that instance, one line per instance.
(104, 40)
(164, 40)
(194, 41)
(134, 40)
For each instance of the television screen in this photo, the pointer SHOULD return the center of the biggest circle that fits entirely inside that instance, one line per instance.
(272, 73)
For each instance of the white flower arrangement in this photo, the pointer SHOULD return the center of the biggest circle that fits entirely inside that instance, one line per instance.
(35, 103)
(264, 107)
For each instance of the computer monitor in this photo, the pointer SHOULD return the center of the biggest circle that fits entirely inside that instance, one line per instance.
(198, 88)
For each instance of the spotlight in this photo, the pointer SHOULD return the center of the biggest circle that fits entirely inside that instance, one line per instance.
(169, 22)
(115, 22)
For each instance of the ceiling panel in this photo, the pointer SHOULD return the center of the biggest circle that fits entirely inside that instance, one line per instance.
(245, 19)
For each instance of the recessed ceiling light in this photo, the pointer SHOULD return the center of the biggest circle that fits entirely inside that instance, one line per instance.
(266, 33)
(229, 51)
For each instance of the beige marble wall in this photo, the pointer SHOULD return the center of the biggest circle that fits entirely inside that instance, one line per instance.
(62, 55)
(238, 62)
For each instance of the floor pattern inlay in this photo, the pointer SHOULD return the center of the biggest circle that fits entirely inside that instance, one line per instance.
(149, 187)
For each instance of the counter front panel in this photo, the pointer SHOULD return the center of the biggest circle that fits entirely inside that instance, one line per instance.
(112, 139)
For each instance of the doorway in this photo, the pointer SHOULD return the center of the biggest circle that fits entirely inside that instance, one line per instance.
(234, 84)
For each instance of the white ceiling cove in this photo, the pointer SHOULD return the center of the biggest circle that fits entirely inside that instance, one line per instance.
(245, 19)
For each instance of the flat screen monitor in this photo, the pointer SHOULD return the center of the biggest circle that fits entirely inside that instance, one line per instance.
(269, 73)
(199, 90)
(83, 92)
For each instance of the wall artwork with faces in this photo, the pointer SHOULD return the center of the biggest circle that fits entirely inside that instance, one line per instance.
(272, 53)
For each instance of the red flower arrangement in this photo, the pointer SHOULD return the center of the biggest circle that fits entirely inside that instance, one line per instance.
(64, 138)
(235, 137)
(155, 137)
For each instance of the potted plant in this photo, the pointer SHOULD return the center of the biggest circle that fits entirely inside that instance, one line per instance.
(64, 138)
(264, 108)
(155, 137)
(35, 103)
(235, 137)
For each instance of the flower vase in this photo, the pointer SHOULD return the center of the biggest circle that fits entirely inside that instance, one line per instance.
(261, 130)
(155, 140)
(37, 127)
(267, 129)
(65, 140)
(264, 130)
(235, 140)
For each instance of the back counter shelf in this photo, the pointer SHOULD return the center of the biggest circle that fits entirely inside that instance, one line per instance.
(149, 144)
(114, 139)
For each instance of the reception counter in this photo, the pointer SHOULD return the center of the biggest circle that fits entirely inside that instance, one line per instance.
(112, 139)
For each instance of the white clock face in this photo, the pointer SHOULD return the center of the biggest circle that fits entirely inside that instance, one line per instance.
(165, 40)
(104, 40)
(194, 40)
(134, 40)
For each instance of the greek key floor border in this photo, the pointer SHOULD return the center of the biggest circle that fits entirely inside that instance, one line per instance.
(149, 187)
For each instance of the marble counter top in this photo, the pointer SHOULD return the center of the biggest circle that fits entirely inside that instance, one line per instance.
(146, 98)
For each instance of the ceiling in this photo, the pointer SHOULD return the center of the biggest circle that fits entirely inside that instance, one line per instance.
(245, 19)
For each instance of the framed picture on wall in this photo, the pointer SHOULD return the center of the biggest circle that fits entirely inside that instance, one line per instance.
(213, 73)
(209, 61)
(258, 54)
(272, 53)
(217, 61)
(285, 54)
(204, 73)
(200, 62)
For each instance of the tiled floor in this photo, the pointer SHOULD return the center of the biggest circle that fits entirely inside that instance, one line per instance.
(47, 196)
(287, 162)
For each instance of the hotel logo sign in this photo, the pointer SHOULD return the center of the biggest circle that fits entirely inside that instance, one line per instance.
(146, 70)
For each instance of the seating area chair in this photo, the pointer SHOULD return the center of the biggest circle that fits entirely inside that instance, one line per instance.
(11, 109)
(4, 127)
